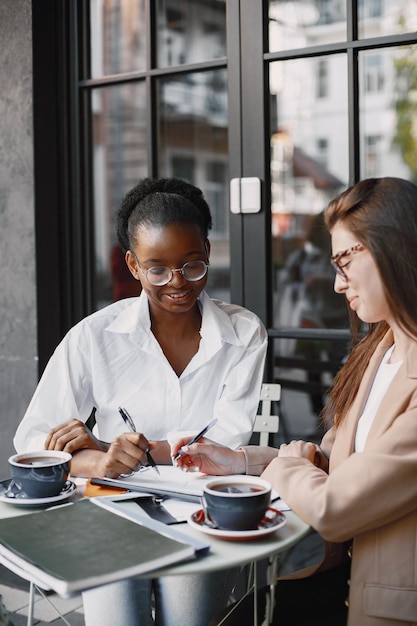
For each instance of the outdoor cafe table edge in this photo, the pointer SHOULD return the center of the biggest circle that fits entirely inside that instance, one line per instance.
(223, 553)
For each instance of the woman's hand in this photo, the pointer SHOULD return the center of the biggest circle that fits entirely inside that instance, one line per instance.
(303, 449)
(73, 435)
(126, 454)
(208, 457)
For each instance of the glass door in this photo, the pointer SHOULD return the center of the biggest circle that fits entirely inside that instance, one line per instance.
(341, 89)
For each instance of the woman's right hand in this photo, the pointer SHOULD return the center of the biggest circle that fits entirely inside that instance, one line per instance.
(208, 457)
(126, 454)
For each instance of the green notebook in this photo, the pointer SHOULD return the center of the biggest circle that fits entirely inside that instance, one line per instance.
(78, 546)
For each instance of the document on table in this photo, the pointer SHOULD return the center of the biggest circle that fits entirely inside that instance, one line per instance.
(128, 506)
(170, 481)
(160, 508)
(180, 509)
(279, 504)
(173, 482)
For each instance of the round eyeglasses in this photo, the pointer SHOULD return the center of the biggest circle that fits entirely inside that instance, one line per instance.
(339, 264)
(161, 275)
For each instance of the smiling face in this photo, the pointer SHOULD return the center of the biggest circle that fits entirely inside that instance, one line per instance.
(363, 286)
(170, 246)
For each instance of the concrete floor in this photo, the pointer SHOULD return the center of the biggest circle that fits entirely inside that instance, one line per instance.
(15, 596)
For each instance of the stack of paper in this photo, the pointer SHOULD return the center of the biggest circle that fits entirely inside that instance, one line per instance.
(170, 480)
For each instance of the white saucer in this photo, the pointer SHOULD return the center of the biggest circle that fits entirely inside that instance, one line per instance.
(65, 493)
(272, 520)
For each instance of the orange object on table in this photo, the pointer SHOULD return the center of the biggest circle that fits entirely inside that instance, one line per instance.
(99, 490)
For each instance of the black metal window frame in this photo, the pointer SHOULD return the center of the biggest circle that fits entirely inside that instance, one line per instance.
(352, 47)
(62, 138)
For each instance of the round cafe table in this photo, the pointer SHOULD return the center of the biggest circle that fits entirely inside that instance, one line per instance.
(223, 553)
(226, 554)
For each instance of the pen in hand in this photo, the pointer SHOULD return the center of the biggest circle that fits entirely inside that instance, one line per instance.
(129, 422)
(196, 438)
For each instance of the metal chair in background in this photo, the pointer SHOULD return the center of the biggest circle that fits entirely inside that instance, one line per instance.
(266, 423)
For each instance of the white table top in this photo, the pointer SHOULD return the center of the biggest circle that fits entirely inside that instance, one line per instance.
(223, 553)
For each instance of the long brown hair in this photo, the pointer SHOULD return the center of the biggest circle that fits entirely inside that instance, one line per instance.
(382, 214)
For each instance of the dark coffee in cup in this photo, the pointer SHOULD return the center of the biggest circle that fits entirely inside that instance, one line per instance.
(235, 488)
(42, 474)
(37, 460)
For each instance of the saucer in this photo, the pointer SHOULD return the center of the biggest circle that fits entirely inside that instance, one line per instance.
(271, 521)
(19, 501)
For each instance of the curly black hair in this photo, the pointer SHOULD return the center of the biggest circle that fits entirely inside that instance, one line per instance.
(160, 202)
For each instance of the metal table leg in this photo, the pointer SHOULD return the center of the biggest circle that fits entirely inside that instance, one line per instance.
(31, 604)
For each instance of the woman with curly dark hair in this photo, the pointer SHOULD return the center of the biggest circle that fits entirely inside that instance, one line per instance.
(173, 357)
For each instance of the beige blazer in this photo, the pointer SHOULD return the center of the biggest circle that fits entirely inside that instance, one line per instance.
(370, 496)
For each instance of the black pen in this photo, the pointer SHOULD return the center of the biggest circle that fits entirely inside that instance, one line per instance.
(196, 438)
(129, 422)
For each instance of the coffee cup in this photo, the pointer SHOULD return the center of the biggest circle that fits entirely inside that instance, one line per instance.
(40, 474)
(236, 502)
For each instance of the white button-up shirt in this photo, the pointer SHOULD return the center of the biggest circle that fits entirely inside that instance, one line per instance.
(111, 359)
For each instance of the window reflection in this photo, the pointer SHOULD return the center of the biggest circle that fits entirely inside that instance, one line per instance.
(119, 161)
(387, 112)
(302, 186)
(309, 162)
(405, 138)
(322, 88)
(190, 31)
(330, 11)
(118, 36)
(378, 18)
(309, 166)
(193, 144)
(299, 23)
(373, 73)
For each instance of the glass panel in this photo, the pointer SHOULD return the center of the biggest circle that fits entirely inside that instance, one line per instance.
(119, 161)
(388, 95)
(193, 144)
(304, 23)
(118, 36)
(190, 31)
(309, 166)
(379, 17)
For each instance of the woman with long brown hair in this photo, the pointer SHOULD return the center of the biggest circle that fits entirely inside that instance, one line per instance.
(358, 489)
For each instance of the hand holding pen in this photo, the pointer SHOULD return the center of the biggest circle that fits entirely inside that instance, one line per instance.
(197, 437)
(130, 424)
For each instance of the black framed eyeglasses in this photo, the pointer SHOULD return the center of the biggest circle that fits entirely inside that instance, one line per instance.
(339, 262)
(161, 275)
